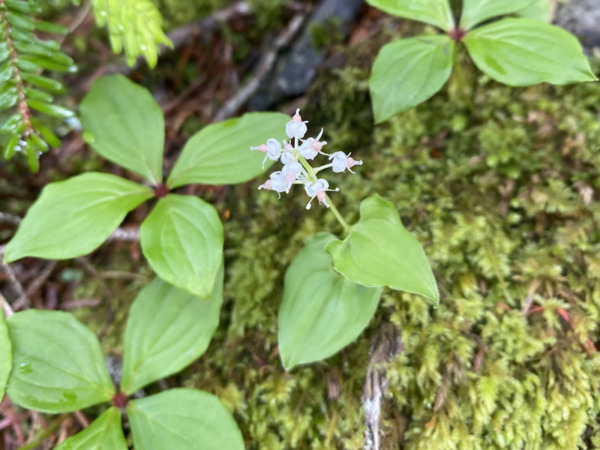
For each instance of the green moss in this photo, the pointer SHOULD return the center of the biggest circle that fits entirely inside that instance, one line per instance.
(501, 201)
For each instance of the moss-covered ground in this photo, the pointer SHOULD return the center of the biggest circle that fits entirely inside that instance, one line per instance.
(501, 186)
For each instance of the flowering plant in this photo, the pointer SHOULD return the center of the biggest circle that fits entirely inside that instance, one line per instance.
(324, 310)
(296, 169)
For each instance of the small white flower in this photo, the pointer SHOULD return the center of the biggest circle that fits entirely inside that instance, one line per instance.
(296, 128)
(318, 189)
(277, 183)
(292, 171)
(272, 149)
(287, 158)
(311, 147)
(340, 162)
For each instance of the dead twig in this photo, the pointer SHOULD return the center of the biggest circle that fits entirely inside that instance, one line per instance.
(22, 298)
(40, 279)
(125, 235)
(81, 303)
(9, 218)
(182, 36)
(385, 347)
(263, 69)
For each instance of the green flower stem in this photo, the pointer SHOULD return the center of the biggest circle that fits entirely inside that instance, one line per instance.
(338, 216)
(461, 80)
(326, 166)
(313, 177)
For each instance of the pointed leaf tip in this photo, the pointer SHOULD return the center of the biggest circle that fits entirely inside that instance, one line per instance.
(379, 251)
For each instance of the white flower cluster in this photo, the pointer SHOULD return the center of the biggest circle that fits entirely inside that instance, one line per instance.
(294, 154)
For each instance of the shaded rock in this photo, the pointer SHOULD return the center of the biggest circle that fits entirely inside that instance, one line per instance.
(295, 72)
(582, 18)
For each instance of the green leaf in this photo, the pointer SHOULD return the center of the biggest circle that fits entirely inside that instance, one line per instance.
(220, 153)
(379, 251)
(409, 71)
(73, 217)
(182, 239)
(321, 311)
(183, 418)
(168, 328)
(523, 52)
(124, 124)
(476, 11)
(5, 355)
(539, 10)
(103, 433)
(58, 365)
(433, 12)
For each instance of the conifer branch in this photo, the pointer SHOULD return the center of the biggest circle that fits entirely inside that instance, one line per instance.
(23, 90)
(134, 26)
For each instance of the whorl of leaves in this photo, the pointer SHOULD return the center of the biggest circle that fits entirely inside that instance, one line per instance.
(133, 25)
(23, 90)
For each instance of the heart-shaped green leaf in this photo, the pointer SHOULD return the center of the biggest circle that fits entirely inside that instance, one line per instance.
(58, 365)
(477, 11)
(220, 153)
(182, 239)
(73, 217)
(5, 355)
(379, 251)
(103, 433)
(523, 52)
(321, 311)
(123, 123)
(433, 12)
(407, 72)
(167, 329)
(183, 419)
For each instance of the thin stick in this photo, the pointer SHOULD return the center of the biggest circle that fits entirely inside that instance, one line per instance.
(9, 218)
(8, 311)
(14, 283)
(263, 69)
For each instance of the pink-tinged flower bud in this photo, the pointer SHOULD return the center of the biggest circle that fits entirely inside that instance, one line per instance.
(352, 162)
(266, 185)
(318, 189)
(261, 148)
(296, 128)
